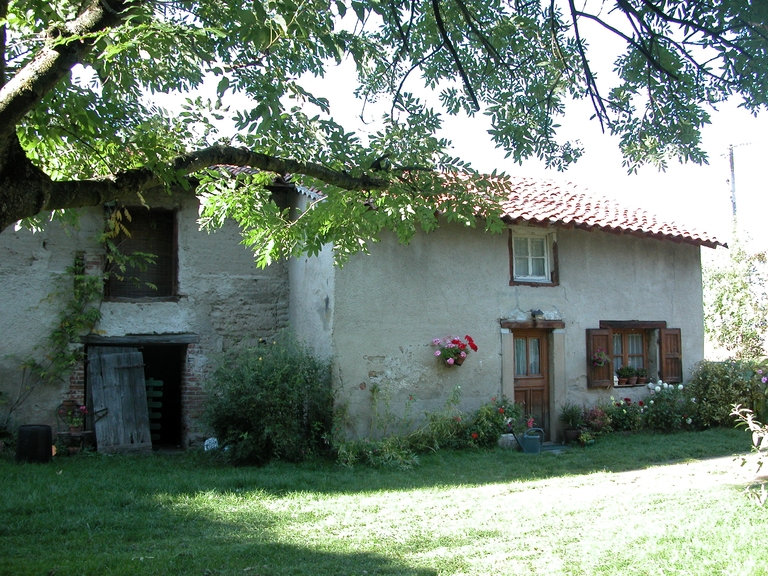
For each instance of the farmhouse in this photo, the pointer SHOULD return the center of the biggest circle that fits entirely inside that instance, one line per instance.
(571, 276)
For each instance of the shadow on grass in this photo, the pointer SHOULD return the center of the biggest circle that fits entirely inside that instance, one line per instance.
(612, 453)
(183, 514)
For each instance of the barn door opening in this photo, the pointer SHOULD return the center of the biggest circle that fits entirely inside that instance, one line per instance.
(163, 368)
(154, 388)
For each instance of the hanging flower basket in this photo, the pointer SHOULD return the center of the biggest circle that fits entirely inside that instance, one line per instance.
(452, 350)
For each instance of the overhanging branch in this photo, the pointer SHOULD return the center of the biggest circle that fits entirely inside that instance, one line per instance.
(78, 194)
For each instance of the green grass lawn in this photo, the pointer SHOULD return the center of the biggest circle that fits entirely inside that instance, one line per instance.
(618, 507)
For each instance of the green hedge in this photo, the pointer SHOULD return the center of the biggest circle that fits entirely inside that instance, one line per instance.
(270, 401)
(717, 386)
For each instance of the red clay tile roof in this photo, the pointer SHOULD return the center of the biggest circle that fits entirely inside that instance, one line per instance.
(566, 205)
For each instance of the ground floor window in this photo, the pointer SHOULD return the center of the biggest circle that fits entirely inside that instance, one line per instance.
(647, 346)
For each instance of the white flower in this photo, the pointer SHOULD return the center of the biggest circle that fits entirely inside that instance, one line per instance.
(658, 388)
(679, 386)
(665, 385)
(688, 421)
(651, 385)
(650, 401)
(693, 400)
(659, 382)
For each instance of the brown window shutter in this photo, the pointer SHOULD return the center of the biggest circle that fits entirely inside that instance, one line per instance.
(671, 355)
(599, 376)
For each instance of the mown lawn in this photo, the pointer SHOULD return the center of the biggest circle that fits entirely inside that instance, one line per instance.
(618, 507)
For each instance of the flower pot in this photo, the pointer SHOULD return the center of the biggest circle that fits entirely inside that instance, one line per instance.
(622, 381)
(75, 429)
(632, 380)
(458, 361)
(642, 379)
(570, 436)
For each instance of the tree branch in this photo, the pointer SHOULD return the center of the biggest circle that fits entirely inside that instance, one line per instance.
(57, 195)
(454, 54)
(65, 46)
(594, 93)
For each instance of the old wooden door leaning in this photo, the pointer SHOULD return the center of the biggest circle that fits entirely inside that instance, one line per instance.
(116, 382)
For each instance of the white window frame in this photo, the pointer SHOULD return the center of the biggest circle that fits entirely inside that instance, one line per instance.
(549, 261)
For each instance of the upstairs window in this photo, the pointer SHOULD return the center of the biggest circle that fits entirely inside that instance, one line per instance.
(533, 258)
(150, 245)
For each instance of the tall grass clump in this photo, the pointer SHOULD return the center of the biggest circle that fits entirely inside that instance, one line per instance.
(273, 400)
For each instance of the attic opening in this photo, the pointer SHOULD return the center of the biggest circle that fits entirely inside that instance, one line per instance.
(136, 404)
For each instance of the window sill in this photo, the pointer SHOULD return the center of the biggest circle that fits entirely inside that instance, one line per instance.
(530, 283)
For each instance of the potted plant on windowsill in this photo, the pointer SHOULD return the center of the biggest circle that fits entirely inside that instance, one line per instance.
(572, 419)
(642, 375)
(626, 374)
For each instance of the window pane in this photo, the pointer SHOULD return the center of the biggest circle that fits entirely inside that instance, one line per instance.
(617, 344)
(535, 367)
(539, 267)
(636, 361)
(635, 343)
(537, 247)
(152, 232)
(521, 357)
(521, 247)
(521, 267)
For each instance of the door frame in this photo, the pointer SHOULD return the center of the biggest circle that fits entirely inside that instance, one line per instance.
(547, 328)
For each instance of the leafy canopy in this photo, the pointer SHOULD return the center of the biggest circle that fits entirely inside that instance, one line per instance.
(79, 126)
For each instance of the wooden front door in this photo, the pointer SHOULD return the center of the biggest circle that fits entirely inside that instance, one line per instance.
(531, 375)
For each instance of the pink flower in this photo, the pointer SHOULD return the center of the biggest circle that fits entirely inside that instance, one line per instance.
(530, 422)
(436, 342)
(437, 352)
(463, 354)
(449, 361)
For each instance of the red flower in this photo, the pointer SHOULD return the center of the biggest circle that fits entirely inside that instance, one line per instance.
(475, 435)
(493, 399)
(471, 342)
(640, 403)
(628, 400)
(501, 410)
(462, 346)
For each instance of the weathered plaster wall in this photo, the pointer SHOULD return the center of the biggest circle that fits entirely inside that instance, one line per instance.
(312, 300)
(389, 306)
(223, 297)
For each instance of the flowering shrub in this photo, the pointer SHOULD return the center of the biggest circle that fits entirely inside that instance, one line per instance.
(491, 420)
(454, 350)
(669, 408)
(73, 416)
(596, 420)
(600, 358)
(625, 414)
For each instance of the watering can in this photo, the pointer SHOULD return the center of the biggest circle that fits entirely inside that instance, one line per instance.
(530, 442)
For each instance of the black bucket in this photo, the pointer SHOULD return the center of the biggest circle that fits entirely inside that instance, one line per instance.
(34, 443)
